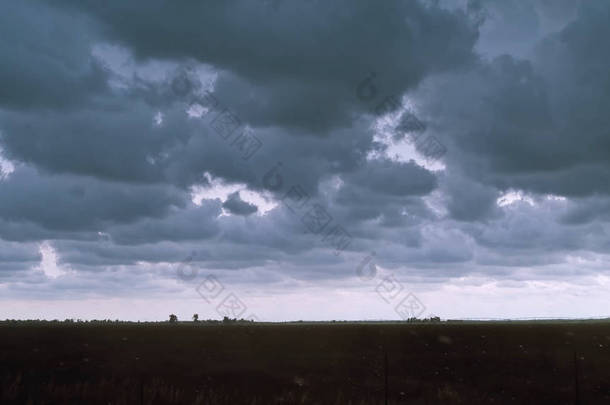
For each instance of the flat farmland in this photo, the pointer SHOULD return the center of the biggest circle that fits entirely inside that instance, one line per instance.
(305, 363)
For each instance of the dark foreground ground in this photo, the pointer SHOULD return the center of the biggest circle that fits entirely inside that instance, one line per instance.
(327, 363)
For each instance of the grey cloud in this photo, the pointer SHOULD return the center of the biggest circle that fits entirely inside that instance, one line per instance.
(237, 206)
(180, 224)
(533, 125)
(80, 203)
(17, 258)
(587, 210)
(118, 143)
(306, 76)
(45, 65)
(394, 178)
(468, 200)
(89, 157)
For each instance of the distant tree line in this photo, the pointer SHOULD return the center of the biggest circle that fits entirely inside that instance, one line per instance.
(174, 319)
(431, 319)
(67, 320)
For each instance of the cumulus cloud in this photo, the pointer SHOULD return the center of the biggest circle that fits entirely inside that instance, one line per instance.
(133, 134)
(237, 206)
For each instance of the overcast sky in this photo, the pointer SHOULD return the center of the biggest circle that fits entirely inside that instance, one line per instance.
(304, 159)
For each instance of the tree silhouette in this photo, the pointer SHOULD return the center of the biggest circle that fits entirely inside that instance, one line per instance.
(195, 317)
(173, 318)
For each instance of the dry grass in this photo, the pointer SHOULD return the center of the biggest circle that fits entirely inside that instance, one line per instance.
(303, 363)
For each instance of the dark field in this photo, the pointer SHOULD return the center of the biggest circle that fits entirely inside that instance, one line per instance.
(302, 363)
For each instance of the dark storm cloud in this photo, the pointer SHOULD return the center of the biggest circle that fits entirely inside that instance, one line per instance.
(78, 203)
(179, 224)
(29, 231)
(359, 204)
(106, 155)
(97, 257)
(237, 206)
(532, 236)
(46, 60)
(539, 124)
(514, 26)
(119, 125)
(394, 178)
(120, 142)
(17, 258)
(587, 210)
(303, 64)
(469, 200)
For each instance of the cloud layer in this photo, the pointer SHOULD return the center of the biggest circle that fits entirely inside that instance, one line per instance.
(274, 143)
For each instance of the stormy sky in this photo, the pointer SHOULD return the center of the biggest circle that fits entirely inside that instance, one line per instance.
(312, 159)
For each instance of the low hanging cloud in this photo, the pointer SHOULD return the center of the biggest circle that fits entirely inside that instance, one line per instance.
(114, 115)
(237, 206)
